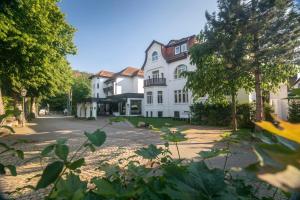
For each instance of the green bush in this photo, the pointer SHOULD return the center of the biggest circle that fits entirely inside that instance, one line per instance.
(220, 114)
(294, 111)
(211, 114)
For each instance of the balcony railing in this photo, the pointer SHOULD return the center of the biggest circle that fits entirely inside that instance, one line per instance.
(155, 82)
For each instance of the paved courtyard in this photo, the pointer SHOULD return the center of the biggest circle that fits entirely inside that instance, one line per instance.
(121, 142)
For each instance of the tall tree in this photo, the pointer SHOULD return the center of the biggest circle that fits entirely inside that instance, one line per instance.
(81, 89)
(273, 32)
(34, 42)
(220, 56)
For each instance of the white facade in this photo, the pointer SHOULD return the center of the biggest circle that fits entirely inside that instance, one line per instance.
(160, 69)
(114, 94)
(97, 85)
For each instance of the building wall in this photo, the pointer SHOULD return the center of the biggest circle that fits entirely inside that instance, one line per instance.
(95, 90)
(138, 84)
(168, 106)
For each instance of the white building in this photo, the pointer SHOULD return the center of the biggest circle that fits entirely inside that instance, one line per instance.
(164, 87)
(116, 94)
(165, 95)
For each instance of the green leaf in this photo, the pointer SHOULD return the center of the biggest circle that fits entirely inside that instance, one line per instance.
(8, 128)
(61, 140)
(62, 151)
(213, 153)
(4, 145)
(76, 164)
(151, 152)
(50, 174)
(47, 150)
(20, 154)
(71, 187)
(12, 169)
(2, 169)
(97, 138)
(104, 187)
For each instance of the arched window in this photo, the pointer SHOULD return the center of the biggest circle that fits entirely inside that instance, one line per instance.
(154, 56)
(179, 69)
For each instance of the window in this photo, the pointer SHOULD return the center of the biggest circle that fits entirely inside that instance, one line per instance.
(162, 75)
(181, 96)
(176, 114)
(149, 98)
(177, 50)
(154, 56)
(97, 85)
(97, 95)
(135, 107)
(185, 96)
(151, 114)
(159, 97)
(183, 47)
(179, 69)
(146, 113)
(159, 114)
(155, 74)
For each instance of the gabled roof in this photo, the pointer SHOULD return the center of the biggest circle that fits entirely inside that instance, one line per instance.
(128, 72)
(103, 73)
(131, 71)
(168, 50)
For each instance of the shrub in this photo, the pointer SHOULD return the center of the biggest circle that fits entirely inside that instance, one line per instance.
(294, 111)
(211, 114)
(220, 114)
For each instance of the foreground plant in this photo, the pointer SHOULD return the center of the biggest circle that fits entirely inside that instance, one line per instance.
(279, 155)
(9, 149)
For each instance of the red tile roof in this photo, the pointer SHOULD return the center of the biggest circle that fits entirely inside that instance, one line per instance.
(128, 71)
(104, 74)
(131, 71)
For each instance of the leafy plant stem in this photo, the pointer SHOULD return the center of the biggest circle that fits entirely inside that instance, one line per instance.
(177, 150)
(226, 157)
(275, 192)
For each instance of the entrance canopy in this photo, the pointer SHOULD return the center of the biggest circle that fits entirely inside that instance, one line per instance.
(113, 98)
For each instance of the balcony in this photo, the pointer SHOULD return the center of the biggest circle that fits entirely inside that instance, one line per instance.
(155, 82)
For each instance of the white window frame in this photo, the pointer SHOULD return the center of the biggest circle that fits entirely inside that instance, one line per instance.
(184, 47)
(149, 97)
(154, 56)
(179, 69)
(160, 97)
(177, 50)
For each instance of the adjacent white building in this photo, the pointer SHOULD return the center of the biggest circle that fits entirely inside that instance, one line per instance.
(165, 95)
(116, 94)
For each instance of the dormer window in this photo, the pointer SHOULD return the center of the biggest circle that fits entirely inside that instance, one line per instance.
(183, 47)
(154, 56)
(177, 50)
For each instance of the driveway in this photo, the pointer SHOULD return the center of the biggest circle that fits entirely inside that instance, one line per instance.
(121, 142)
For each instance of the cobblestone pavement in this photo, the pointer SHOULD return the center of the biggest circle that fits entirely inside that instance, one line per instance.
(121, 142)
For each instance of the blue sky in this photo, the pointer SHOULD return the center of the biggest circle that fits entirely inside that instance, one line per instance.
(113, 34)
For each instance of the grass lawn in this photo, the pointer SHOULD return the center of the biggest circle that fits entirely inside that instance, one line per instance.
(157, 122)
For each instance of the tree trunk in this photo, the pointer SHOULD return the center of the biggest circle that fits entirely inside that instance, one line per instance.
(2, 110)
(33, 106)
(258, 93)
(233, 107)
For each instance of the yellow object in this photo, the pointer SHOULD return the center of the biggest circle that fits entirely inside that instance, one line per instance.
(284, 129)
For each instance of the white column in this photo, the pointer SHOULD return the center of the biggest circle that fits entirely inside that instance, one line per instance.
(127, 107)
(94, 107)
